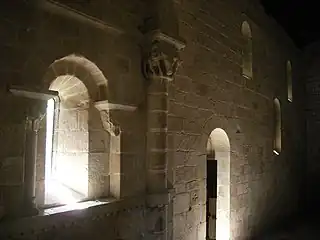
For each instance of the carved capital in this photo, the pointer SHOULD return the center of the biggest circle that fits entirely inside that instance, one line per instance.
(114, 130)
(33, 122)
(161, 56)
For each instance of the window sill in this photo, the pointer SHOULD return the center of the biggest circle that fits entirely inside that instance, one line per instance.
(75, 206)
(275, 152)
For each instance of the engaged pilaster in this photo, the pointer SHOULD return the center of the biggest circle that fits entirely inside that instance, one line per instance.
(32, 127)
(161, 62)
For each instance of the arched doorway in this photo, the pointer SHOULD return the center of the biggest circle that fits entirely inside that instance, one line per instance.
(218, 185)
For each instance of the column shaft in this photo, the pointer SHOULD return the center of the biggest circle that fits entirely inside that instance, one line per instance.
(30, 168)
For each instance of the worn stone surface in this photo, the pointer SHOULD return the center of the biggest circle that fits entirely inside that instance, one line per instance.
(124, 221)
(209, 92)
(162, 143)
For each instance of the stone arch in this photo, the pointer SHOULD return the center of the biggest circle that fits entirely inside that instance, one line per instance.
(82, 68)
(277, 126)
(80, 134)
(289, 80)
(218, 147)
(247, 54)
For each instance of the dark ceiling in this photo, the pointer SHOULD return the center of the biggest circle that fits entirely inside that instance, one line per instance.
(299, 18)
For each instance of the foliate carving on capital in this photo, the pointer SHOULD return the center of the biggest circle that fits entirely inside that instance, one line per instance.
(160, 65)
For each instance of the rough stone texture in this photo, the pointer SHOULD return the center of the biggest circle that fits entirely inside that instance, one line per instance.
(208, 92)
(33, 39)
(123, 220)
(311, 74)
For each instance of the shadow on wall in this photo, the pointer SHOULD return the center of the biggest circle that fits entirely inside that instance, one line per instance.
(297, 232)
(312, 196)
(285, 228)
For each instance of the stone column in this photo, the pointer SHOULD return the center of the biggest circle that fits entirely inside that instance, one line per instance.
(32, 127)
(161, 62)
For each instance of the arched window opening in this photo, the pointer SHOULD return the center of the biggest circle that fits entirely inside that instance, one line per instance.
(247, 50)
(74, 148)
(277, 127)
(218, 186)
(67, 160)
(289, 80)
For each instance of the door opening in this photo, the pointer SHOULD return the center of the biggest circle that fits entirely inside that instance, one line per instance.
(218, 186)
(211, 197)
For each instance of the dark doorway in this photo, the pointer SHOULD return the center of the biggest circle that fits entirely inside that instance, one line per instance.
(211, 196)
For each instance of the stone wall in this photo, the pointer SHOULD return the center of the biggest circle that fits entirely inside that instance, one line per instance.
(115, 220)
(34, 36)
(13, 134)
(177, 117)
(209, 92)
(311, 75)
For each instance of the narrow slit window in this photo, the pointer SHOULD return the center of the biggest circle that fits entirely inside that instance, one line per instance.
(247, 50)
(49, 141)
(277, 127)
(289, 80)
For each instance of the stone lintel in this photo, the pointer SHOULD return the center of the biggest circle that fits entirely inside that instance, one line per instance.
(33, 93)
(105, 106)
